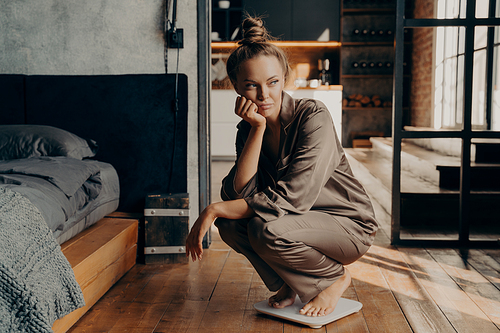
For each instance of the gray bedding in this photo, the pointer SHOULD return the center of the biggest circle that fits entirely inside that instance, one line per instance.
(37, 284)
(65, 190)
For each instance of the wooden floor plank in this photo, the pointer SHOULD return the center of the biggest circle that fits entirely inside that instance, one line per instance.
(486, 264)
(105, 313)
(228, 302)
(182, 317)
(419, 308)
(461, 311)
(479, 289)
(254, 322)
(380, 310)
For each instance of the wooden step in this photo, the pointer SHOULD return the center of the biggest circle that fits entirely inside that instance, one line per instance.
(423, 203)
(487, 150)
(483, 176)
(440, 169)
(100, 256)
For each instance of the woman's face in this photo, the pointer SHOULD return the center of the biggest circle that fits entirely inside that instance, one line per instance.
(261, 80)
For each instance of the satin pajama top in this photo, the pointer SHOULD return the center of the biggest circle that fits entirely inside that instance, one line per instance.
(312, 172)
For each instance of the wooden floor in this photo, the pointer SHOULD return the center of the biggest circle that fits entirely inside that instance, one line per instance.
(401, 289)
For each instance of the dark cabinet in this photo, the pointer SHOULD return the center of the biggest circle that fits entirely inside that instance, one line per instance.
(226, 21)
(277, 16)
(316, 20)
(298, 20)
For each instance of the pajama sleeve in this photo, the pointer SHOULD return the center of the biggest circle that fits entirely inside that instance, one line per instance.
(308, 167)
(228, 191)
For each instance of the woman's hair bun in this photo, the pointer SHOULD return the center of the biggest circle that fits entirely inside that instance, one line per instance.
(253, 31)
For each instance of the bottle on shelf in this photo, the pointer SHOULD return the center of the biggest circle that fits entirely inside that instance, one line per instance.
(325, 77)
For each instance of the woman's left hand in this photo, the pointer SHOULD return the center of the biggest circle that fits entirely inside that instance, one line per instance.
(194, 240)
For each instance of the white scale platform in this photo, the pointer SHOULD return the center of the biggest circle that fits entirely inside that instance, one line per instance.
(344, 308)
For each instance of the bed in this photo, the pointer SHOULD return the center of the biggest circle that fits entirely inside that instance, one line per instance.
(139, 132)
(50, 190)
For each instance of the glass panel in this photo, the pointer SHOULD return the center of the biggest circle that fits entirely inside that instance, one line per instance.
(447, 76)
(461, 40)
(449, 92)
(495, 108)
(426, 215)
(463, 8)
(451, 42)
(479, 90)
(450, 9)
(482, 8)
(481, 37)
(460, 90)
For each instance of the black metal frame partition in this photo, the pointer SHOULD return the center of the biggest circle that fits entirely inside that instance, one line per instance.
(465, 134)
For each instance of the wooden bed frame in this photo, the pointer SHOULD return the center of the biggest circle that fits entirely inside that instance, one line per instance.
(100, 256)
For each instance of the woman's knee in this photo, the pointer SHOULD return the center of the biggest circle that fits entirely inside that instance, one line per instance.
(232, 232)
(258, 234)
(226, 227)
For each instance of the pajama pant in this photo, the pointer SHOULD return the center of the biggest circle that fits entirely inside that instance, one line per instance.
(307, 252)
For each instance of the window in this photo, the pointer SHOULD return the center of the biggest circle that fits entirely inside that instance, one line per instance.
(449, 69)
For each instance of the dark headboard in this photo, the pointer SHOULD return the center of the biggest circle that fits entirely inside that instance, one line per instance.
(132, 118)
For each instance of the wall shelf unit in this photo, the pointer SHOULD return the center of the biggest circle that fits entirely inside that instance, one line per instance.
(367, 61)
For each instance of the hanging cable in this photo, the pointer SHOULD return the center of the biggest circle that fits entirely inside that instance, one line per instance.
(175, 103)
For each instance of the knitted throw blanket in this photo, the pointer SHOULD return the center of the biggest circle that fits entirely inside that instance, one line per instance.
(37, 284)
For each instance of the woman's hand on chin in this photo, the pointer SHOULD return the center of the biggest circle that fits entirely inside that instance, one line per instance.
(248, 110)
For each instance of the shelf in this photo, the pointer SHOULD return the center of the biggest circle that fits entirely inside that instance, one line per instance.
(370, 76)
(367, 76)
(348, 108)
(232, 45)
(391, 43)
(367, 11)
(227, 9)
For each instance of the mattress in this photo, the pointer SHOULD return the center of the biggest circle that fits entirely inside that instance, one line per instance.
(70, 194)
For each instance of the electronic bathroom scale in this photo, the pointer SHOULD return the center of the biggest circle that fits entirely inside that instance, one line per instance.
(344, 308)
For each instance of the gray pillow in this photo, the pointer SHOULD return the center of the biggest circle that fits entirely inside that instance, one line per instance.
(24, 141)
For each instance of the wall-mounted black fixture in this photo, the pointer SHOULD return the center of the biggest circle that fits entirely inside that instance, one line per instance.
(175, 37)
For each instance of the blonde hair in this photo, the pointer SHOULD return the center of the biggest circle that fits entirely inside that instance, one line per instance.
(255, 43)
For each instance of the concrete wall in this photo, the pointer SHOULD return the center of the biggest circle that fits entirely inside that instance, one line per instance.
(74, 37)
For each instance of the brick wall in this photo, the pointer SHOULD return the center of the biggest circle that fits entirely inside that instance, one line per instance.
(421, 82)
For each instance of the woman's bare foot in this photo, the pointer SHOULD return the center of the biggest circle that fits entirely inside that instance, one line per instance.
(325, 302)
(283, 298)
